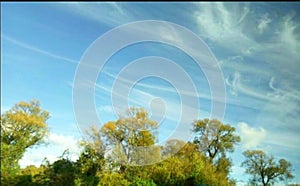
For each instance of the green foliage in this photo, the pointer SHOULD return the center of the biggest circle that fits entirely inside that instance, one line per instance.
(112, 179)
(264, 169)
(88, 164)
(29, 175)
(140, 182)
(60, 172)
(214, 138)
(22, 126)
(223, 164)
(187, 167)
(131, 141)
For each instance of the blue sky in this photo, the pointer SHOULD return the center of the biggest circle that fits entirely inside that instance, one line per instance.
(256, 46)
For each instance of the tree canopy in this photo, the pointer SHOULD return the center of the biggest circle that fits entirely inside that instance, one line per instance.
(214, 138)
(265, 169)
(22, 126)
(132, 137)
(125, 152)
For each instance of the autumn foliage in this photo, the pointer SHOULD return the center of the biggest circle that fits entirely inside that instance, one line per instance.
(125, 152)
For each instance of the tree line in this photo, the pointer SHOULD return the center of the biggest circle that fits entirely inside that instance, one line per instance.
(132, 152)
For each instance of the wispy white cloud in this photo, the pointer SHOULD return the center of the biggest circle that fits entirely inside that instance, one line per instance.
(284, 139)
(172, 108)
(110, 13)
(35, 49)
(274, 95)
(145, 93)
(237, 27)
(225, 26)
(236, 87)
(263, 23)
(231, 27)
(155, 87)
(251, 137)
(288, 34)
(271, 84)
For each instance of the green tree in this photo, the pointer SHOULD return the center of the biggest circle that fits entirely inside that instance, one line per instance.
(112, 179)
(264, 168)
(214, 138)
(60, 172)
(29, 176)
(223, 164)
(187, 167)
(22, 126)
(91, 159)
(141, 182)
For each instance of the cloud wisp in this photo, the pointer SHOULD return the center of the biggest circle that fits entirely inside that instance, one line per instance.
(35, 49)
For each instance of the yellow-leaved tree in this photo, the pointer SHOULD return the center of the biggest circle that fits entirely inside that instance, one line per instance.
(22, 126)
(133, 138)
